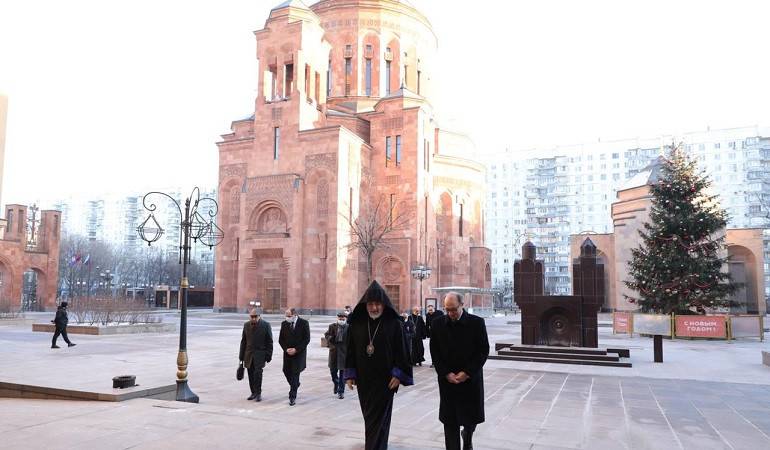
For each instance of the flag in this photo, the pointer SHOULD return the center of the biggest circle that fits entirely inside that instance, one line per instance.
(87, 260)
(73, 260)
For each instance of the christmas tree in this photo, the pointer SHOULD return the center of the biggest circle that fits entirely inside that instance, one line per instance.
(678, 268)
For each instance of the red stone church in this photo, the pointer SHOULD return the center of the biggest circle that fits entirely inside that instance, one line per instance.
(343, 120)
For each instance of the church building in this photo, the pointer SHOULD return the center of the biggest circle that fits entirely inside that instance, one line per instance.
(344, 131)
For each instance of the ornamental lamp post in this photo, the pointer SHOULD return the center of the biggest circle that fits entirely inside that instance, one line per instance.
(421, 272)
(193, 226)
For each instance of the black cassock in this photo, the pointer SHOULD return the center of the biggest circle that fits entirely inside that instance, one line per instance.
(461, 346)
(372, 373)
(420, 333)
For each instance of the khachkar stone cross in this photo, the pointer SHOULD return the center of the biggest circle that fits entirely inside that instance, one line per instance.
(32, 224)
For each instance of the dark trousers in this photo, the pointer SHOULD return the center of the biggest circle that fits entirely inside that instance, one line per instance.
(339, 381)
(63, 333)
(293, 379)
(255, 379)
(452, 435)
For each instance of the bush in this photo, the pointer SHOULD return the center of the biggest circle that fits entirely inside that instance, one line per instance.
(107, 310)
(8, 310)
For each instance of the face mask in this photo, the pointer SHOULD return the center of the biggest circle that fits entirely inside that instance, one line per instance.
(341, 322)
(291, 319)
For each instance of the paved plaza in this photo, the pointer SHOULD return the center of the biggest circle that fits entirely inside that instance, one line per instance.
(706, 395)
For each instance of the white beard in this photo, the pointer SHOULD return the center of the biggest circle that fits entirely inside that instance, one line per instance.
(375, 316)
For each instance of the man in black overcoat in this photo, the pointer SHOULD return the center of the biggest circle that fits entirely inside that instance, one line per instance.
(336, 338)
(294, 339)
(420, 333)
(256, 351)
(377, 362)
(429, 316)
(459, 348)
(60, 324)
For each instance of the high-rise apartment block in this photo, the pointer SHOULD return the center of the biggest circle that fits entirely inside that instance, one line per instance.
(545, 195)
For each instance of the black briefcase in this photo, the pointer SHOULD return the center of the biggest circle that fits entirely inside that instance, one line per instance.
(239, 372)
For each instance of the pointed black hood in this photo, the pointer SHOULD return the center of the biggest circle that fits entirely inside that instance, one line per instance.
(373, 292)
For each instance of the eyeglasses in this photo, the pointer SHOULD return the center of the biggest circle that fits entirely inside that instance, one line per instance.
(452, 310)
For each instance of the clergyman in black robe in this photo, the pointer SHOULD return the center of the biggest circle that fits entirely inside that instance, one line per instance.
(420, 333)
(459, 347)
(377, 362)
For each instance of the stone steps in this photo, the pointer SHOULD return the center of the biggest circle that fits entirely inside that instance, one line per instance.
(562, 355)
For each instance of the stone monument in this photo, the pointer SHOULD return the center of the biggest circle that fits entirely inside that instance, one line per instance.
(559, 320)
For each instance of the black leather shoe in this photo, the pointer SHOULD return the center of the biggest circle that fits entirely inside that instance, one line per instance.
(71, 345)
(252, 397)
(292, 402)
(258, 397)
(55, 346)
(341, 395)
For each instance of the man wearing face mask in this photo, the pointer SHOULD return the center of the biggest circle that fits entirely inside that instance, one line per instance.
(294, 338)
(335, 337)
(256, 350)
(377, 362)
(459, 348)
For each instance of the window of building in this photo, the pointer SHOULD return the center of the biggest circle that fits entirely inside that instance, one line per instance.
(368, 76)
(273, 74)
(317, 87)
(387, 150)
(388, 76)
(329, 79)
(461, 220)
(398, 150)
(307, 80)
(419, 78)
(348, 74)
(288, 85)
(276, 141)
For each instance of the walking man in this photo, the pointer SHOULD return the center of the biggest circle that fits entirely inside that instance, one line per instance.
(256, 350)
(459, 348)
(60, 324)
(377, 362)
(335, 338)
(420, 333)
(294, 338)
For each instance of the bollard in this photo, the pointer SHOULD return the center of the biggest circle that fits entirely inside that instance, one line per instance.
(658, 348)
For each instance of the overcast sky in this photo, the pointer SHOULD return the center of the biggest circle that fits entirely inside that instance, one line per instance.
(112, 96)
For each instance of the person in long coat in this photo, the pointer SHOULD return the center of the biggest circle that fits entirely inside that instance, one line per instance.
(429, 316)
(60, 322)
(420, 333)
(256, 351)
(336, 336)
(294, 339)
(459, 347)
(377, 362)
(408, 335)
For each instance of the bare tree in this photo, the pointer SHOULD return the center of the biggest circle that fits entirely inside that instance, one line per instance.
(372, 228)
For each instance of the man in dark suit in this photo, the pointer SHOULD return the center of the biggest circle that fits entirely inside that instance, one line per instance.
(294, 338)
(459, 348)
(60, 323)
(256, 351)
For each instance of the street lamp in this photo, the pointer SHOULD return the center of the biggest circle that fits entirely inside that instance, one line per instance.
(421, 272)
(106, 283)
(193, 226)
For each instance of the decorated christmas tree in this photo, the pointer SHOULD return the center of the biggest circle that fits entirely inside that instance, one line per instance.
(678, 266)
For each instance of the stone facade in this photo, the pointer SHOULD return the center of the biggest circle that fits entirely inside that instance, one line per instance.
(17, 256)
(343, 120)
